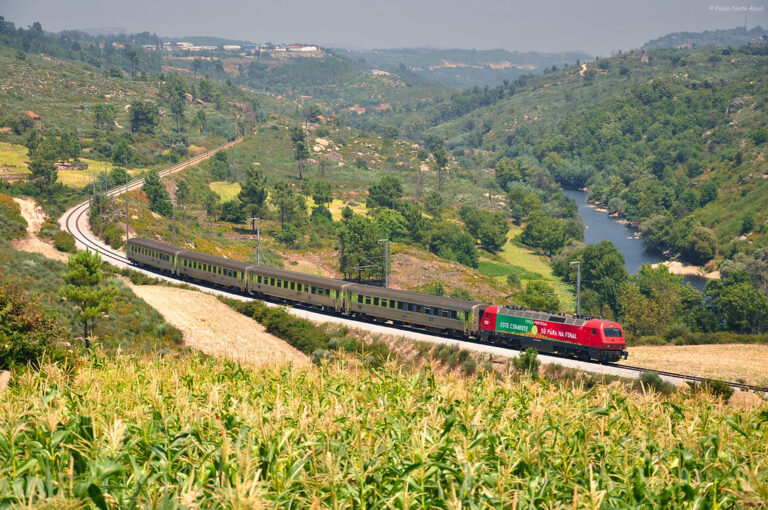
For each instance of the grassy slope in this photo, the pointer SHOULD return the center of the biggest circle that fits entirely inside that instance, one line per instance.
(132, 325)
(209, 433)
(62, 91)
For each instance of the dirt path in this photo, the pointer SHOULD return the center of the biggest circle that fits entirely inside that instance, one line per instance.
(583, 69)
(35, 217)
(743, 362)
(214, 328)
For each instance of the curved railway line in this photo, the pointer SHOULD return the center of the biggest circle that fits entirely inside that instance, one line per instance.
(75, 220)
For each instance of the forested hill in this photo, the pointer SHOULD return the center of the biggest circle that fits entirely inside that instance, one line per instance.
(671, 139)
(458, 68)
(738, 36)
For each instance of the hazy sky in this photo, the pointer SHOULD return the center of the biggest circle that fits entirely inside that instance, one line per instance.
(595, 26)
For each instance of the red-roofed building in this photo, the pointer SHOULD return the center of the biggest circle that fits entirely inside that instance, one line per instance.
(35, 117)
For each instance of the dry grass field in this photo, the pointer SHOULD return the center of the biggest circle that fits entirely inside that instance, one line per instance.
(743, 362)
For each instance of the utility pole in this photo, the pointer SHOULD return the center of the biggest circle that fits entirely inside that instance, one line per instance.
(258, 241)
(386, 261)
(577, 263)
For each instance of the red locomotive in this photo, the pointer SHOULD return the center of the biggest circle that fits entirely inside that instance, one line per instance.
(579, 336)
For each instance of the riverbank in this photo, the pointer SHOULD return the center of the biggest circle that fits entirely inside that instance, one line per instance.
(602, 226)
(683, 269)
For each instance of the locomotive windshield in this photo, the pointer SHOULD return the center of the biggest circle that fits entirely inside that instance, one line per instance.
(612, 332)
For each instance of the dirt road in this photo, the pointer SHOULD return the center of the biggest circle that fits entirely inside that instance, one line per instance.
(35, 217)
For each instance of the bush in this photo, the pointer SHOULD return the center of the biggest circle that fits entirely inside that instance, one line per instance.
(63, 241)
(717, 388)
(112, 235)
(528, 362)
(675, 331)
(12, 224)
(27, 331)
(654, 381)
(469, 365)
(287, 236)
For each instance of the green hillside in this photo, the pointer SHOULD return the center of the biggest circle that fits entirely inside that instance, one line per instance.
(668, 138)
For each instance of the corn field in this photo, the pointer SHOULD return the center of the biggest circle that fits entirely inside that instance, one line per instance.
(187, 431)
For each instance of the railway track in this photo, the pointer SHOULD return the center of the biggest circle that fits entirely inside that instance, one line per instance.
(75, 221)
(691, 378)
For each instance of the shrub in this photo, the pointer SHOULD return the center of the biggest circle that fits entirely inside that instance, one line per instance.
(12, 224)
(715, 387)
(675, 331)
(27, 331)
(63, 241)
(654, 381)
(469, 365)
(113, 235)
(528, 362)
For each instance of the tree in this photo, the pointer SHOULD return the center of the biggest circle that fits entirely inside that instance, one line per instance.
(232, 211)
(299, 139)
(441, 161)
(200, 120)
(450, 241)
(602, 269)
(133, 56)
(219, 68)
(701, 245)
(361, 252)
(104, 115)
(253, 192)
(69, 146)
(121, 152)
(220, 165)
(321, 193)
(544, 233)
(433, 203)
(324, 164)
(391, 225)
(157, 194)
(144, 116)
(84, 288)
(387, 192)
(175, 88)
(743, 308)
(211, 203)
(310, 114)
(182, 193)
(197, 63)
(283, 197)
(508, 171)
(44, 172)
(540, 295)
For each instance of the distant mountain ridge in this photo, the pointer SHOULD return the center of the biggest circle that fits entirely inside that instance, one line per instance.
(462, 68)
(738, 36)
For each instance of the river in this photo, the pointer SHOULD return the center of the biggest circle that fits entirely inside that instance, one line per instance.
(602, 227)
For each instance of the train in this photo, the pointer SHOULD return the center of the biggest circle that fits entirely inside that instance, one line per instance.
(582, 337)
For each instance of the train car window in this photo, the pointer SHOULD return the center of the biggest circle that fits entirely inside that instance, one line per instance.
(293, 286)
(594, 331)
(403, 306)
(392, 303)
(376, 301)
(359, 298)
(383, 302)
(367, 300)
(427, 310)
(612, 332)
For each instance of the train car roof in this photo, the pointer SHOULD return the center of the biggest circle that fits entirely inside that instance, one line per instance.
(318, 281)
(214, 260)
(542, 316)
(154, 245)
(413, 297)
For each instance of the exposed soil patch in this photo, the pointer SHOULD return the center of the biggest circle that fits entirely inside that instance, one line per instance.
(35, 217)
(214, 328)
(315, 263)
(413, 269)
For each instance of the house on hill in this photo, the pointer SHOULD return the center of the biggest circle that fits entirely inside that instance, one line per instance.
(35, 118)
